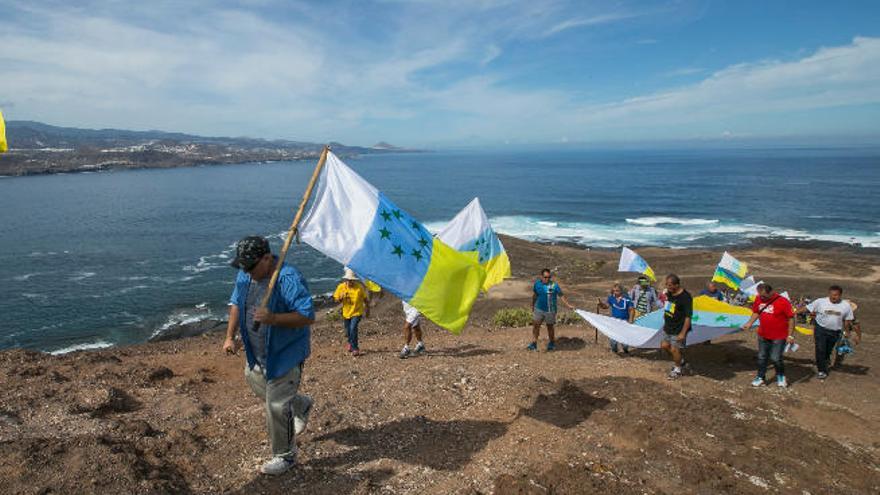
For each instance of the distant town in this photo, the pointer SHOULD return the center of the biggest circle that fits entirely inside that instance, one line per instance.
(37, 148)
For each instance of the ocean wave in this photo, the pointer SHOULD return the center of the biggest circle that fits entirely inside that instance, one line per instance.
(26, 276)
(100, 344)
(184, 316)
(705, 234)
(652, 221)
(80, 276)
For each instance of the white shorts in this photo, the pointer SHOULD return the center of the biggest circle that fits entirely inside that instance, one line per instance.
(413, 317)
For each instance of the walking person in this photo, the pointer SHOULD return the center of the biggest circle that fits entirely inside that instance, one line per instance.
(832, 316)
(276, 343)
(677, 313)
(412, 326)
(355, 300)
(622, 308)
(545, 292)
(776, 327)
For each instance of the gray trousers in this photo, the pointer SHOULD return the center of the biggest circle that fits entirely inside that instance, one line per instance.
(282, 404)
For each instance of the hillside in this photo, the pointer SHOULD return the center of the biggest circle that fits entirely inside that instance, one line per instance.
(37, 148)
(476, 414)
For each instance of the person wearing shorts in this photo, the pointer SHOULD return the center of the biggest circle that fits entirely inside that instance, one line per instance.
(677, 313)
(412, 326)
(545, 292)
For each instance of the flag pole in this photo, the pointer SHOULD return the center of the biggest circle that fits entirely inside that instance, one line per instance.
(294, 226)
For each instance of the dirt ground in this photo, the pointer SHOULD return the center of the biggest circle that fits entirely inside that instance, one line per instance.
(476, 414)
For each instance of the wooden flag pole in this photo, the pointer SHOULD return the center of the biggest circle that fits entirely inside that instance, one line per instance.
(294, 226)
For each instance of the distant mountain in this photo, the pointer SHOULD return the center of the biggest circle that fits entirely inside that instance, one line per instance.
(38, 148)
(382, 145)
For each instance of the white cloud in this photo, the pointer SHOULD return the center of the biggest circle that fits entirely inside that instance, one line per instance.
(307, 77)
(595, 20)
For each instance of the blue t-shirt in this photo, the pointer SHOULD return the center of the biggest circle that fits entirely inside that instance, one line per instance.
(716, 295)
(620, 308)
(546, 296)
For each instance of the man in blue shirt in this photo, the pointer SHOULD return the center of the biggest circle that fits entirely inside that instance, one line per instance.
(712, 291)
(544, 294)
(276, 343)
(621, 308)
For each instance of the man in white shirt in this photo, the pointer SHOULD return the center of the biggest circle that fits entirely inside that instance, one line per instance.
(832, 315)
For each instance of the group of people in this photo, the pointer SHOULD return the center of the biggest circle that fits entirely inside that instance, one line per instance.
(275, 330)
(835, 325)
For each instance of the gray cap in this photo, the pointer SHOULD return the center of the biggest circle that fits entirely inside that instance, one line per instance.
(249, 251)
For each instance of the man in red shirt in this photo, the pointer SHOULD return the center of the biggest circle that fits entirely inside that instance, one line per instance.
(776, 326)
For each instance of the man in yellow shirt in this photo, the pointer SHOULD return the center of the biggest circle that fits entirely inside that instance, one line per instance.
(355, 305)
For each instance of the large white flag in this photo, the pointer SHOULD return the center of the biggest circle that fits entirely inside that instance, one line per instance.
(470, 232)
(355, 224)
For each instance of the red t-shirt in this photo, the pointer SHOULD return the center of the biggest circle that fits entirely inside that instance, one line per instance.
(773, 320)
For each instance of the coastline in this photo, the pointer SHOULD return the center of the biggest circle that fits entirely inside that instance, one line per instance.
(476, 413)
(211, 323)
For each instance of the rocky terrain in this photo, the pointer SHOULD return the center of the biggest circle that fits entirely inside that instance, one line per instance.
(37, 148)
(476, 414)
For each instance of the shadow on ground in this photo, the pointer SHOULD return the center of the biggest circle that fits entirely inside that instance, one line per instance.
(565, 408)
(441, 445)
(462, 351)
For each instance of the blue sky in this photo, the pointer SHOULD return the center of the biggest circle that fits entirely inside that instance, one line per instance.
(449, 73)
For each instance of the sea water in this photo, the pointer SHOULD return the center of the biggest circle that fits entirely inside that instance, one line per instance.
(101, 259)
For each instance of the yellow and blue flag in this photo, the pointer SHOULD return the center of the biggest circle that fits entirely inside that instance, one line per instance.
(732, 265)
(357, 225)
(632, 262)
(724, 277)
(470, 232)
(3, 145)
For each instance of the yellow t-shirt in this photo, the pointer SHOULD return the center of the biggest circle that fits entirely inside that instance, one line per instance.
(353, 299)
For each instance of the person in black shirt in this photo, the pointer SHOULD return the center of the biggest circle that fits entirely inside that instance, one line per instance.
(677, 313)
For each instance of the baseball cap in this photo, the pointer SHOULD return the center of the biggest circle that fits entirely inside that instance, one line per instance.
(248, 252)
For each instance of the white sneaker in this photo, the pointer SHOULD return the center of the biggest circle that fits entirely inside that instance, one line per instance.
(276, 466)
(758, 382)
(300, 422)
(781, 382)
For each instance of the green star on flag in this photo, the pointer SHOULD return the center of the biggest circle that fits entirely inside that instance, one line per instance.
(398, 251)
(385, 233)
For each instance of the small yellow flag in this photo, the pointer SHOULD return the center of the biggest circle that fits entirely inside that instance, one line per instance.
(3, 146)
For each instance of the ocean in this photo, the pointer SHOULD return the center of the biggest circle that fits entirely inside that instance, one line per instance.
(92, 260)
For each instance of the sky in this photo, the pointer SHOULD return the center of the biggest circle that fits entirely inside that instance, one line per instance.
(449, 73)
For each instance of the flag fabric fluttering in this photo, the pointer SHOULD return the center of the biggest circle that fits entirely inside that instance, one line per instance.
(632, 262)
(470, 232)
(732, 265)
(357, 225)
(724, 277)
(749, 287)
(3, 145)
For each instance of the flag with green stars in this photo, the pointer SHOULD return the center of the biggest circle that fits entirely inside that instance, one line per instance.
(357, 225)
(470, 232)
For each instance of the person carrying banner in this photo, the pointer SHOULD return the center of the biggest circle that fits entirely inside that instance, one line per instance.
(621, 307)
(644, 297)
(544, 294)
(276, 342)
(677, 313)
(712, 291)
(776, 327)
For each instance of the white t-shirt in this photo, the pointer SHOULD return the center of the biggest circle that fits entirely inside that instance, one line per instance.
(830, 315)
